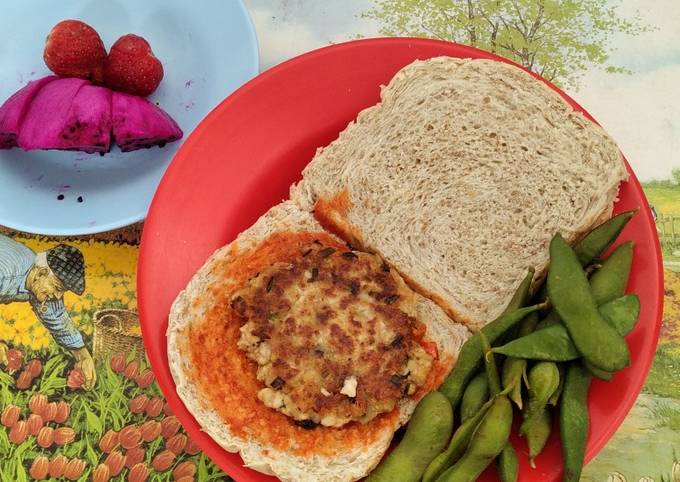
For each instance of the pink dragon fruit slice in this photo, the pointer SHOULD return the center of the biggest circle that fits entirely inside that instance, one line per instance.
(138, 123)
(88, 123)
(46, 118)
(13, 111)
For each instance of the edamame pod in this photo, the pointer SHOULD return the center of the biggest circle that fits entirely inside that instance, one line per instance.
(471, 356)
(543, 380)
(556, 396)
(574, 420)
(599, 239)
(475, 396)
(426, 435)
(508, 465)
(521, 294)
(514, 368)
(490, 366)
(554, 342)
(622, 313)
(487, 442)
(550, 319)
(538, 434)
(596, 242)
(457, 445)
(609, 282)
(519, 298)
(549, 344)
(511, 378)
(596, 372)
(528, 324)
(569, 292)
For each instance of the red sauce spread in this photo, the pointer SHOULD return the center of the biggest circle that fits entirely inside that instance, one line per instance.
(227, 378)
(440, 369)
(332, 213)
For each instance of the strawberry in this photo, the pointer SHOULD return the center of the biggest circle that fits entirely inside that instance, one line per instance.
(132, 67)
(74, 49)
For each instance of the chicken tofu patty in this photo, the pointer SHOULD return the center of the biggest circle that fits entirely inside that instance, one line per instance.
(333, 335)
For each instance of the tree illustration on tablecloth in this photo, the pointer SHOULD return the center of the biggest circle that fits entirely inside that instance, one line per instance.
(558, 39)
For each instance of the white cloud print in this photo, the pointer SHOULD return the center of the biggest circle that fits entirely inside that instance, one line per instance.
(279, 40)
(291, 27)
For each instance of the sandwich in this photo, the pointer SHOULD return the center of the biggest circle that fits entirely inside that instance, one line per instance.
(302, 354)
(306, 342)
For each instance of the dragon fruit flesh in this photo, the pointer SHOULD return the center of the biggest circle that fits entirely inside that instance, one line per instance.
(72, 114)
(88, 123)
(47, 115)
(14, 109)
(138, 123)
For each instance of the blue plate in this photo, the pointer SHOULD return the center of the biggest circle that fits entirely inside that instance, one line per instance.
(208, 49)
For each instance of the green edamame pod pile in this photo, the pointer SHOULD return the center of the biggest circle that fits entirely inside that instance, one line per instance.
(538, 357)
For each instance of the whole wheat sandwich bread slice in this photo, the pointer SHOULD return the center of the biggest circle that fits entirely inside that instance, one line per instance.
(217, 383)
(460, 176)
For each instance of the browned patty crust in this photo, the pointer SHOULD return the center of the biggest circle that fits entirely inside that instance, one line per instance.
(333, 335)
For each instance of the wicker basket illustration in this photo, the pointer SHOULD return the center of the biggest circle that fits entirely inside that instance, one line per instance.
(116, 331)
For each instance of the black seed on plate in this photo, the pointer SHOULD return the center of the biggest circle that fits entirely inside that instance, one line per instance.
(315, 274)
(270, 284)
(326, 252)
(354, 287)
(349, 255)
(306, 424)
(60, 197)
(278, 383)
(391, 299)
(80, 199)
(396, 343)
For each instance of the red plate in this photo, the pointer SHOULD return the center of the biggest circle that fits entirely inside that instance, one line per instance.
(240, 161)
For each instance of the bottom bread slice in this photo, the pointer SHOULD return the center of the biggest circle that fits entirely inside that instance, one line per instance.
(217, 383)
